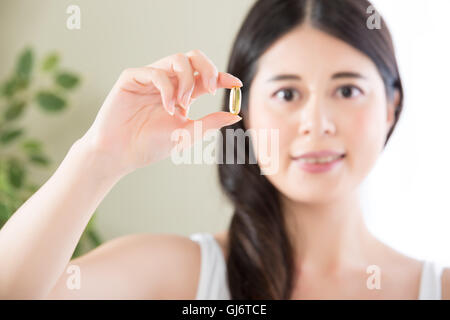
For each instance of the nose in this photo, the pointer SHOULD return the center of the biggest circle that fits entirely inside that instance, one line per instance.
(315, 119)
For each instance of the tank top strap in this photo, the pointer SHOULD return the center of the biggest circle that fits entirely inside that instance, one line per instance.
(212, 281)
(430, 282)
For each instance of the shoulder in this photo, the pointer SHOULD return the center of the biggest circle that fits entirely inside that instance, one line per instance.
(165, 246)
(445, 280)
(222, 240)
(166, 266)
(176, 259)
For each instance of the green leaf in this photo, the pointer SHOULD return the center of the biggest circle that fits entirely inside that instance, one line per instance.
(9, 135)
(32, 187)
(39, 159)
(4, 182)
(22, 83)
(51, 61)
(77, 252)
(13, 85)
(50, 101)
(10, 87)
(67, 80)
(16, 172)
(5, 212)
(91, 233)
(94, 237)
(32, 146)
(25, 64)
(21, 78)
(14, 110)
(91, 221)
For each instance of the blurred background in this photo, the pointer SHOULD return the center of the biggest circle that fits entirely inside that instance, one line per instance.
(405, 198)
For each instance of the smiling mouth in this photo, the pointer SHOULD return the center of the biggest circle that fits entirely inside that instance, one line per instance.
(318, 164)
(320, 160)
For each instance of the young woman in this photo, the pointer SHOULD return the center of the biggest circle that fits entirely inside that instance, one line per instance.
(310, 69)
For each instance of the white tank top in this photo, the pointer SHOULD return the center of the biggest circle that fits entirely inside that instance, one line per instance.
(213, 285)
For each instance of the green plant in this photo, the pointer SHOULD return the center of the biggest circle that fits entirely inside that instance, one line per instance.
(46, 86)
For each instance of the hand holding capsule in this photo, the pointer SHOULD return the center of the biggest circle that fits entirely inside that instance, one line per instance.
(134, 125)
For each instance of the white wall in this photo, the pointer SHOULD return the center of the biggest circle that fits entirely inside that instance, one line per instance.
(408, 191)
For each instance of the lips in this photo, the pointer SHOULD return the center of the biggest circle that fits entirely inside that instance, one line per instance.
(319, 161)
(320, 154)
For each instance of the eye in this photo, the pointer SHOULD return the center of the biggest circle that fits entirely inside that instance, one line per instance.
(286, 93)
(350, 91)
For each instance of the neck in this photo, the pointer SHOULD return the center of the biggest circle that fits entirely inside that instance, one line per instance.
(328, 237)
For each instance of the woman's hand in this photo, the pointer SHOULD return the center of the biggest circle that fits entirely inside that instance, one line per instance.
(134, 125)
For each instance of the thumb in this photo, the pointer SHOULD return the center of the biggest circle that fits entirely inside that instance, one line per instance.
(218, 120)
(215, 121)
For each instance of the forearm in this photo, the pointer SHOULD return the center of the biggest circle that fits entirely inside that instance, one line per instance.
(37, 242)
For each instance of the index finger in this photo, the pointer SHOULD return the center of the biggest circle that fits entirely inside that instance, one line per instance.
(224, 80)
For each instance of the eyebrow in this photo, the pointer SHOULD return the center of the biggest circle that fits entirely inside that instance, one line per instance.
(338, 75)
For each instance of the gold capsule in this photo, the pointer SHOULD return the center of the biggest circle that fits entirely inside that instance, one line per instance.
(235, 100)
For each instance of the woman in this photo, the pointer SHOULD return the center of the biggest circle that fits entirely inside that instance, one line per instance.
(310, 69)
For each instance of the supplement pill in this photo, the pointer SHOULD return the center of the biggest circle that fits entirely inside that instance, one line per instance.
(235, 100)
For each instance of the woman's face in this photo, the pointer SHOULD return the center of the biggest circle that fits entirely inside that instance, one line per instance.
(337, 103)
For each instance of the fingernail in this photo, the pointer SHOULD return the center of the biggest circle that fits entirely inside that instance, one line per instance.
(234, 120)
(238, 80)
(185, 100)
(187, 97)
(171, 107)
(212, 85)
(187, 112)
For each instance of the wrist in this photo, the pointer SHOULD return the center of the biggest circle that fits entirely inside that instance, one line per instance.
(94, 162)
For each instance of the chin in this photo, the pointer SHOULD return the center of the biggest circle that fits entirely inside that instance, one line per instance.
(311, 191)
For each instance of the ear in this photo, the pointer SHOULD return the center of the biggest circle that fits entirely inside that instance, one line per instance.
(392, 107)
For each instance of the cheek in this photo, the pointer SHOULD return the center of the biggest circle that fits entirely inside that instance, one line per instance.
(365, 136)
(371, 123)
(363, 125)
(271, 136)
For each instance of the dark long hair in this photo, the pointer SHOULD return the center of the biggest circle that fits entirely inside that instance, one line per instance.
(260, 259)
